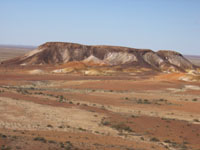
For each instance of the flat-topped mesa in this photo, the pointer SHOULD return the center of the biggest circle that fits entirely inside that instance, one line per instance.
(60, 52)
(72, 46)
(51, 45)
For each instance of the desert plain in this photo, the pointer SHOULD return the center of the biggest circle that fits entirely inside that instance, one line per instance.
(122, 109)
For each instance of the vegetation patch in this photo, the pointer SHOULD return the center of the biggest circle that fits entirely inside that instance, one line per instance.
(41, 139)
(120, 126)
(160, 101)
(154, 139)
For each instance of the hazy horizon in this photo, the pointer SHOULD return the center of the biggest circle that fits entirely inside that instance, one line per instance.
(151, 24)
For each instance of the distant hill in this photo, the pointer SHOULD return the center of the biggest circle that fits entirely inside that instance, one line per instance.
(53, 53)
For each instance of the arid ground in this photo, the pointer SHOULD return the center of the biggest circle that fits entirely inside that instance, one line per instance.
(194, 59)
(123, 111)
(7, 52)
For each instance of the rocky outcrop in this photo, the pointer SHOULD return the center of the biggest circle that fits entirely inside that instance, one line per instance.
(60, 53)
(94, 60)
(175, 59)
(119, 58)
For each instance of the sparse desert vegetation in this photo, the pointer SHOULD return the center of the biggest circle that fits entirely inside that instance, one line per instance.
(136, 109)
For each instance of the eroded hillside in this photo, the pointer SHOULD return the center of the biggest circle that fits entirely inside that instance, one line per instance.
(61, 53)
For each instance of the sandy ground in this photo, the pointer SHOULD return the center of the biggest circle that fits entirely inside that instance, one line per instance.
(113, 112)
(9, 52)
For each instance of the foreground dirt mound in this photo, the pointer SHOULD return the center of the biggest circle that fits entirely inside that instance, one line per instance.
(61, 53)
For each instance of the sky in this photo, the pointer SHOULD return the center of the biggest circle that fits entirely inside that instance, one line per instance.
(152, 24)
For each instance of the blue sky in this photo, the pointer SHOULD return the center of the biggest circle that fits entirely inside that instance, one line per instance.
(154, 24)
